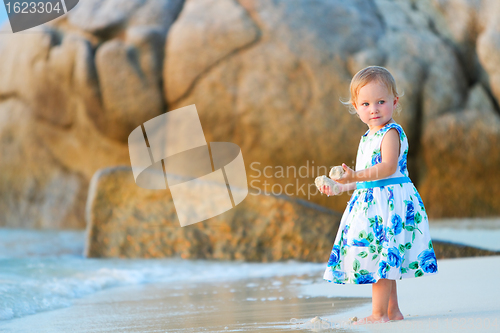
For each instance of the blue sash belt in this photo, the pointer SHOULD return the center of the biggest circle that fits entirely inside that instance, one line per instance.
(383, 182)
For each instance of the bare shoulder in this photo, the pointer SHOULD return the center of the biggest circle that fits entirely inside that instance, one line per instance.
(391, 140)
(392, 133)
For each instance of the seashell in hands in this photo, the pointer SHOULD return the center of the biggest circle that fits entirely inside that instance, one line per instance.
(324, 180)
(336, 172)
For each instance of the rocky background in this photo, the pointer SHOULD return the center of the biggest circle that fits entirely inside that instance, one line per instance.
(265, 75)
(143, 223)
(140, 223)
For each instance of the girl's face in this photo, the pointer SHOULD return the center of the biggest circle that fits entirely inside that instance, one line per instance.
(375, 105)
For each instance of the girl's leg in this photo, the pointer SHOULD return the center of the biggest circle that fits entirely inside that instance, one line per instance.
(381, 292)
(393, 308)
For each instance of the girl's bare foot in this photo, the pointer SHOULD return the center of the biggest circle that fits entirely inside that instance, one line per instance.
(371, 320)
(396, 316)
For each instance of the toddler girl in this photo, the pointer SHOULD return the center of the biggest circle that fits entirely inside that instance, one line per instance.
(384, 232)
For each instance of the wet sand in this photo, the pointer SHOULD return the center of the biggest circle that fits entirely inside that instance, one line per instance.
(252, 305)
(463, 297)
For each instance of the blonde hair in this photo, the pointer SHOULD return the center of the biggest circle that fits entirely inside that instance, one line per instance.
(367, 75)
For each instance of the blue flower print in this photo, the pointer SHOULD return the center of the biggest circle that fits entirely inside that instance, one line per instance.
(391, 198)
(360, 242)
(352, 202)
(369, 195)
(383, 267)
(410, 213)
(338, 274)
(346, 229)
(393, 257)
(420, 202)
(427, 261)
(334, 256)
(377, 158)
(402, 164)
(365, 279)
(397, 224)
(385, 239)
(378, 230)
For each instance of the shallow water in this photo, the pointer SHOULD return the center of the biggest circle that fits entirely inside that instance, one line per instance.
(43, 270)
(250, 305)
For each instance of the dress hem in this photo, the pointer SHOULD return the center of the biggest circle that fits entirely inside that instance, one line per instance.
(376, 280)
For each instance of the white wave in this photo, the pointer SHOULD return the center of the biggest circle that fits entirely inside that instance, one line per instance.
(44, 270)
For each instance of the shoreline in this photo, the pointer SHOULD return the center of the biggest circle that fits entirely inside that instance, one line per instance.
(444, 302)
(250, 305)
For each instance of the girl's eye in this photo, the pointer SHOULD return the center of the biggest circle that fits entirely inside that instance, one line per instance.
(364, 103)
(381, 101)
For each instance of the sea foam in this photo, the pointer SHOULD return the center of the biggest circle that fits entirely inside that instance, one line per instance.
(45, 270)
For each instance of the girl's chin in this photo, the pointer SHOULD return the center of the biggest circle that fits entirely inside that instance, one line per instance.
(379, 121)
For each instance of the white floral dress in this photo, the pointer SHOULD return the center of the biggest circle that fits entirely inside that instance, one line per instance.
(384, 232)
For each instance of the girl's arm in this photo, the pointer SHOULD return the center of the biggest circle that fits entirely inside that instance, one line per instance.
(389, 149)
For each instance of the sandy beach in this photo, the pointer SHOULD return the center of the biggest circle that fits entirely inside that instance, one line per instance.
(463, 297)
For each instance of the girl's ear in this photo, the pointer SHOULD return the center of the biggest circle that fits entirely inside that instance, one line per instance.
(354, 106)
(396, 100)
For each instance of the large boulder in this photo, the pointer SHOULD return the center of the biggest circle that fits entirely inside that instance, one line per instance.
(124, 220)
(461, 153)
(444, 249)
(35, 191)
(277, 94)
(77, 86)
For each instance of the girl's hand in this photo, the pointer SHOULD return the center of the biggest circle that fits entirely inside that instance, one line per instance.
(325, 189)
(329, 191)
(348, 176)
